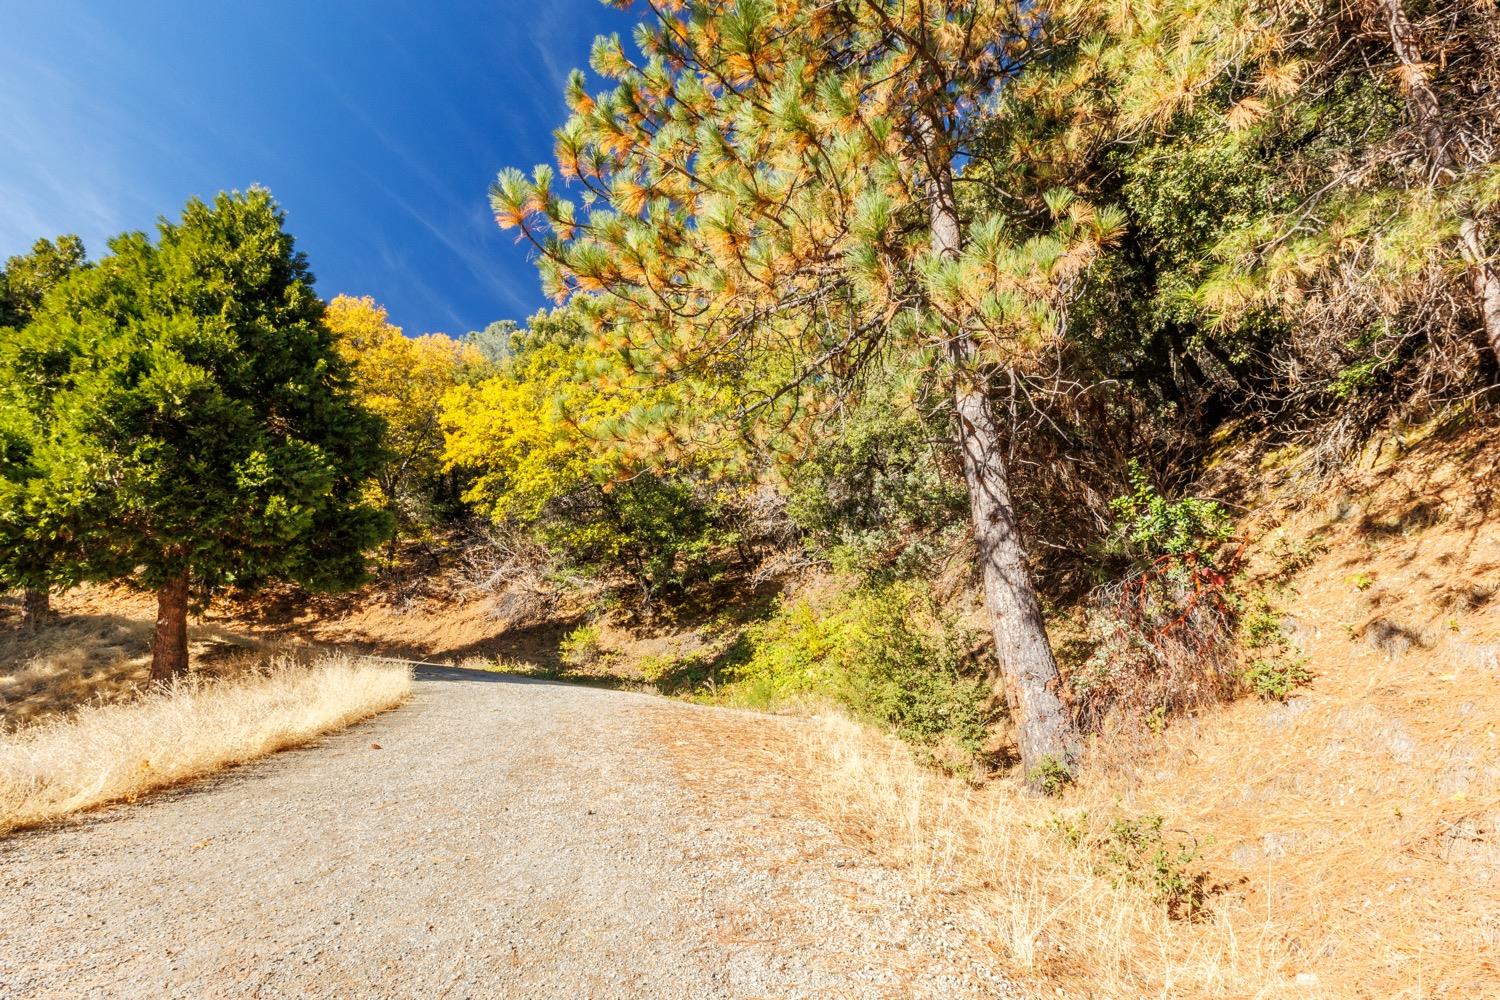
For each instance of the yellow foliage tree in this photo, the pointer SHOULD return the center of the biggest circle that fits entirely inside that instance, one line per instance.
(543, 439)
(520, 431)
(404, 380)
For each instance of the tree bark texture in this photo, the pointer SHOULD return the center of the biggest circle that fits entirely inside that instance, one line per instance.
(36, 607)
(169, 650)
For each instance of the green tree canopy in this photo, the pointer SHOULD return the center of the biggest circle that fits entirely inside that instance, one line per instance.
(200, 431)
(27, 278)
(26, 556)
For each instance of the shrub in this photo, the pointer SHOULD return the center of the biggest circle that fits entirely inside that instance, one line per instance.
(1278, 670)
(1156, 526)
(654, 668)
(1050, 775)
(1161, 637)
(886, 653)
(1274, 678)
(1260, 626)
(530, 437)
(879, 498)
(580, 646)
(1138, 852)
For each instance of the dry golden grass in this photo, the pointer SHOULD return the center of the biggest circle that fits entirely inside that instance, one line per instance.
(1339, 874)
(1048, 906)
(69, 664)
(111, 751)
(95, 657)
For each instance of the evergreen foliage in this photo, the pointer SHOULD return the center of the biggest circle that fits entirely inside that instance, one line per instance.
(29, 557)
(768, 206)
(197, 426)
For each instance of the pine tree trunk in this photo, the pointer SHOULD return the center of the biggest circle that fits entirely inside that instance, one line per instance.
(169, 651)
(1028, 671)
(36, 607)
(1029, 679)
(1423, 99)
(1486, 278)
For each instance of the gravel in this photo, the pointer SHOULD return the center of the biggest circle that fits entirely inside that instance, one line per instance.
(497, 837)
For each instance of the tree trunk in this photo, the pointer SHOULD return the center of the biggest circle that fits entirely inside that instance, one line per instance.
(1483, 273)
(169, 651)
(1472, 236)
(1045, 732)
(1028, 671)
(36, 607)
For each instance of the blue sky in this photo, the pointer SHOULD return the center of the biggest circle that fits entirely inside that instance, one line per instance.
(378, 125)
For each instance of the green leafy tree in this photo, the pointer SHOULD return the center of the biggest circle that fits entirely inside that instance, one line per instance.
(24, 282)
(879, 494)
(769, 202)
(27, 278)
(200, 429)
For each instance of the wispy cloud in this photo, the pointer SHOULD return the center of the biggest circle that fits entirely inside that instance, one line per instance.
(379, 124)
(462, 235)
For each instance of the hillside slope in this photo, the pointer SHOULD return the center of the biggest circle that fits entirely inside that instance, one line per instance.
(1342, 843)
(1346, 839)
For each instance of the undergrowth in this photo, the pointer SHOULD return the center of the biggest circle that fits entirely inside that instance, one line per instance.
(1139, 852)
(889, 654)
(1159, 638)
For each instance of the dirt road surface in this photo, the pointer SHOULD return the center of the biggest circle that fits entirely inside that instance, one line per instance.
(495, 838)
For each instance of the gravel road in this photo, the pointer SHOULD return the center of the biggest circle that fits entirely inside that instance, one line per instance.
(496, 837)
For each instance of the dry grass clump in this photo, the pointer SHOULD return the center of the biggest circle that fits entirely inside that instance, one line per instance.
(68, 664)
(1035, 889)
(107, 752)
(1311, 889)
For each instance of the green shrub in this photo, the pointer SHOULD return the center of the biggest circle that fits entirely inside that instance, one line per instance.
(879, 498)
(888, 654)
(1277, 670)
(673, 674)
(796, 651)
(1051, 775)
(654, 668)
(1260, 624)
(1274, 678)
(1072, 828)
(580, 646)
(1160, 638)
(1156, 526)
(1138, 852)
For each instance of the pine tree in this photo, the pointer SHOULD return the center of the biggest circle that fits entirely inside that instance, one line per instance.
(769, 202)
(199, 430)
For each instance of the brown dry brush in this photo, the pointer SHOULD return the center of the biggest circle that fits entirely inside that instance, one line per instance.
(1370, 340)
(1163, 641)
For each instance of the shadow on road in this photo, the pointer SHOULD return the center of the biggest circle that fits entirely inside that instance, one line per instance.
(441, 672)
